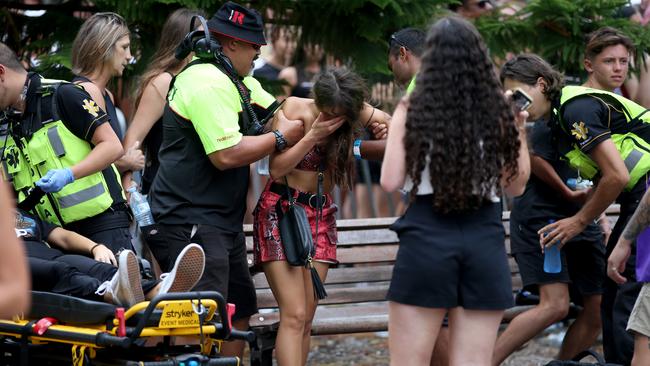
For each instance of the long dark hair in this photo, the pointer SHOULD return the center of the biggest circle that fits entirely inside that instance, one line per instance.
(174, 30)
(341, 89)
(459, 121)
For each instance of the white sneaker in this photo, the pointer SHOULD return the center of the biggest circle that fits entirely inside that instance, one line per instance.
(187, 270)
(125, 288)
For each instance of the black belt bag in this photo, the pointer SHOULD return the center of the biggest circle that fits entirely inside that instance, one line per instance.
(316, 201)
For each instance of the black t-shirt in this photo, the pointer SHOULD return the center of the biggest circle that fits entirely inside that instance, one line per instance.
(591, 120)
(267, 72)
(110, 108)
(541, 203)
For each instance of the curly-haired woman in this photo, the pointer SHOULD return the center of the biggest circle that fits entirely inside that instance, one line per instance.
(456, 148)
(333, 119)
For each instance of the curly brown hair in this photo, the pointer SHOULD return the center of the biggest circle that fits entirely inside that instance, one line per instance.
(340, 88)
(459, 120)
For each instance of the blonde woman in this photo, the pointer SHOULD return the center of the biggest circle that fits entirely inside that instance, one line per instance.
(101, 50)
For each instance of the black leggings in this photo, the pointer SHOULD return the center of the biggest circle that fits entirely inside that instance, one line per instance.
(70, 274)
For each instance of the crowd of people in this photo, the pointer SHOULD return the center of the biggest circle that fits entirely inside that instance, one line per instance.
(202, 119)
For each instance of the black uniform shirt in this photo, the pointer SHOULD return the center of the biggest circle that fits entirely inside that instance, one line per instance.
(541, 203)
(79, 113)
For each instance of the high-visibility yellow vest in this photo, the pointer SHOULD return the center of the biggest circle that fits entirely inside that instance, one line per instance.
(634, 150)
(53, 146)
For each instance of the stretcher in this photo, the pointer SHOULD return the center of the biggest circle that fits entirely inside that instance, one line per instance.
(64, 330)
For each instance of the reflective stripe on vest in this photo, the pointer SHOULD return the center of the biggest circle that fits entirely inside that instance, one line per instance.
(81, 196)
(634, 151)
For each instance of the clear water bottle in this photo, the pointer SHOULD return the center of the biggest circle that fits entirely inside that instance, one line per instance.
(552, 257)
(140, 207)
(263, 166)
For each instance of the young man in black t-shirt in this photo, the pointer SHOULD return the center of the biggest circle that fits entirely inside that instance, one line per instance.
(548, 197)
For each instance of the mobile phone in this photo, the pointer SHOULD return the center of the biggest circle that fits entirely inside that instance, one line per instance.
(521, 100)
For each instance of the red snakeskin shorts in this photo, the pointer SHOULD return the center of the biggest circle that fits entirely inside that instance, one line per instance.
(267, 245)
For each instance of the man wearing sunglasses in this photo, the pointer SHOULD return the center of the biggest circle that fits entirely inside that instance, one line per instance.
(405, 48)
(199, 193)
(472, 9)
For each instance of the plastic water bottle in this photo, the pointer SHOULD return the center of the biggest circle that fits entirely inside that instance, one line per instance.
(578, 184)
(263, 166)
(552, 257)
(140, 208)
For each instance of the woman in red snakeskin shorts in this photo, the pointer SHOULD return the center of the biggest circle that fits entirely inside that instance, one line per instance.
(333, 119)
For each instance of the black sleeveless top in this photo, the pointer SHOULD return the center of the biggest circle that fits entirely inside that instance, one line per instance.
(110, 108)
(151, 147)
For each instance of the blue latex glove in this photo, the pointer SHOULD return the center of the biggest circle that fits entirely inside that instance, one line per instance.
(55, 180)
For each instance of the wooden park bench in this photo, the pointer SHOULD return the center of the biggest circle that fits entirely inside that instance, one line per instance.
(357, 287)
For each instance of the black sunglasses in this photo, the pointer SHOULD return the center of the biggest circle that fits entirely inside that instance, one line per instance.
(393, 38)
(483, 3)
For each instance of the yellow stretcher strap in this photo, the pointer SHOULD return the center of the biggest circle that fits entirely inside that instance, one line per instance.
(79, 354)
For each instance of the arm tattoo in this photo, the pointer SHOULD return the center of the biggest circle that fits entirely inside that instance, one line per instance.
(640, 220)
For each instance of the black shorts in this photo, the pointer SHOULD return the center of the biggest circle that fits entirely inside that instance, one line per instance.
(445, 261)
(583, 265)
(226, 265)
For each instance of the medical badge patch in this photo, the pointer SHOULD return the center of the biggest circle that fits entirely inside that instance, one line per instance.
(91, 107)
(579, 130)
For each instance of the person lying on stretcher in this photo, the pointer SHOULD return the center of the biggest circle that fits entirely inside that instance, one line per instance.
(97, 278)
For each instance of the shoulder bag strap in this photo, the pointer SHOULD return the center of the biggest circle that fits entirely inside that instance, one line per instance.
(319, 204)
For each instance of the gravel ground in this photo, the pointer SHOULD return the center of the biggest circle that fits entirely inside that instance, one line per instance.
(371, 349)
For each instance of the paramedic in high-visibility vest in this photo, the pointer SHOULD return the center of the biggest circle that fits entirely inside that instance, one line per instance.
(61, 141)
(605, 138)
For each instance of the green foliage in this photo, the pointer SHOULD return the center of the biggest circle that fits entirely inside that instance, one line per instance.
(556, 30)
(355, 31)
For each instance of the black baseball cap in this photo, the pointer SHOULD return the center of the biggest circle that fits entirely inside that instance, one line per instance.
(238, 22)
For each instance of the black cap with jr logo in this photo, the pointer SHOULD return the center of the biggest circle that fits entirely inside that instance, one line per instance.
(236, 21)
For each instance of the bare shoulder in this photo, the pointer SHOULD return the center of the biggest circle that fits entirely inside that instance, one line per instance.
(297, 108)
(162, 81)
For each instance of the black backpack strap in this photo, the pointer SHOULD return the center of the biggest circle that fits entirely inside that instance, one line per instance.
(48, 110)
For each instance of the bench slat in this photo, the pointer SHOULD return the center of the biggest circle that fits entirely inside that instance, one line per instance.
(343, 275)
(367, 254)
(383, 222)
(344, 295)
